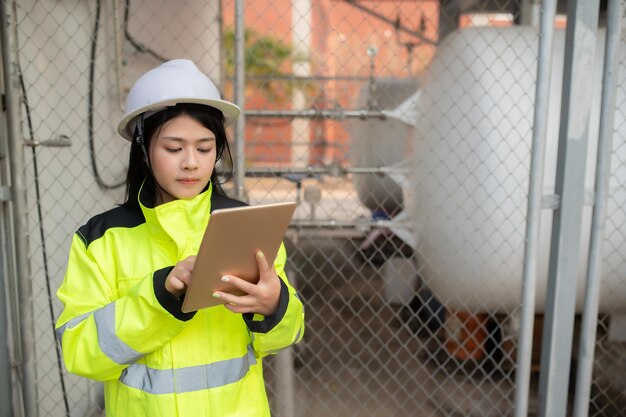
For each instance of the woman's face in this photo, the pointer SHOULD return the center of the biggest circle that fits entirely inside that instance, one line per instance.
(182, 157)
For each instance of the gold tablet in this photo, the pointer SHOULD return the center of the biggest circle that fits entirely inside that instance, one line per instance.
(229, 246)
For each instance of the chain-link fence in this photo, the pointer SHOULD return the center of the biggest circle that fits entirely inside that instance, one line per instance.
(403, 129)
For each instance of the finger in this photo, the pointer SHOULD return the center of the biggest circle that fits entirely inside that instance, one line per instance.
(233, 301)
(174, 286)
(240, 284)
(261, 261)
(235, 308)
(177, 283)
(188, 262)
(266, 273)
(184, 275)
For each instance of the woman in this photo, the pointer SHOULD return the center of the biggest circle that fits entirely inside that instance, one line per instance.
(129, 267)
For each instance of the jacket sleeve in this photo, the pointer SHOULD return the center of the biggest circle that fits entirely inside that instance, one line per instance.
(285, 327)
(102, 333)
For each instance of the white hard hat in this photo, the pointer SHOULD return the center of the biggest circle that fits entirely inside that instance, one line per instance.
(173, 82)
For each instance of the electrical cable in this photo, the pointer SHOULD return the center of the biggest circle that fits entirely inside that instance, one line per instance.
(140, 47)
(90, 107)
(43, 240)
(90, 101)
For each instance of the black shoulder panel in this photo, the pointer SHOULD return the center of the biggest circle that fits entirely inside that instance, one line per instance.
(117, 217)
(221, 202)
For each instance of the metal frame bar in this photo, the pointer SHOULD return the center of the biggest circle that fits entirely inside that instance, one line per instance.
(285, 358)
(5, 362)
(580, 45)
(240, 124)
(6, 336)
(311, 171)
(25, 358)
(535, 196)
(605, 137)
(5, 357)
(337, 114)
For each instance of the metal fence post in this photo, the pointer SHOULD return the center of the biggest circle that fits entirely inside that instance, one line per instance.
(605, 136)
(5, 328)
(5, 366)
(26, 359)
(580, 43)
(240, 81)
(531, 250)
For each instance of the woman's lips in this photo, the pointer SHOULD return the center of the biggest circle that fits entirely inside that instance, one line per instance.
(188, 181)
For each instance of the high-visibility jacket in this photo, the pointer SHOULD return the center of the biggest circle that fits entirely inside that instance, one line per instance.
(121, 326)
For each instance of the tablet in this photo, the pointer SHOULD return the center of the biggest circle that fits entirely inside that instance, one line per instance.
(229, 246)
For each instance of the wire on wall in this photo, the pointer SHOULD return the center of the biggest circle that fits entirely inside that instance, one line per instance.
(43, 240)
(138, 46)
(90, 106)
(90, 101)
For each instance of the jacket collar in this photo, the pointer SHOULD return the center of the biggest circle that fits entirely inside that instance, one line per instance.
(181, 221)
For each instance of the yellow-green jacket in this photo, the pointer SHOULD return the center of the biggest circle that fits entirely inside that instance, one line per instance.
(122, 327)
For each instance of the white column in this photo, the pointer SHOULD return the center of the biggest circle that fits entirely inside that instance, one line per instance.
(301, 20)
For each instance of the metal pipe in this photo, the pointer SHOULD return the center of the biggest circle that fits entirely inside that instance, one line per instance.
(26, 357)
(300, 78)
(316, 171)
(285, 383)
(605, 137)
(342, 224)
(337, 114)
(535, 193)
(5, 357)
(59, 141)
(117, 30)
(240, 125)
(378, 170)
(558, 331)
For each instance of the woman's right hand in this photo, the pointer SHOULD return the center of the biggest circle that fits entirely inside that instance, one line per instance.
(178, 279)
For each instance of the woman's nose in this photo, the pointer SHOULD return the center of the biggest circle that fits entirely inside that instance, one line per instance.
(190, 162)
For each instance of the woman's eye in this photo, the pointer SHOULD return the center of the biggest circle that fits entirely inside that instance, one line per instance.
(172, 150)
(204, 150)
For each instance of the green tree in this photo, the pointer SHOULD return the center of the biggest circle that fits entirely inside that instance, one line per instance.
(268, 64)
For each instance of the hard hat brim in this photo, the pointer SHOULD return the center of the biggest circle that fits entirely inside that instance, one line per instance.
(126, 127)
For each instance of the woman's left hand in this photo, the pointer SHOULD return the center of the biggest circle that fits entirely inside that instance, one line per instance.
(261, 298)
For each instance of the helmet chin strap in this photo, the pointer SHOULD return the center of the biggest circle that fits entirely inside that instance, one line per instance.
(140, 140)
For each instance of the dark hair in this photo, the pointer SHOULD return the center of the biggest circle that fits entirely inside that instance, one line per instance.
(138, 171)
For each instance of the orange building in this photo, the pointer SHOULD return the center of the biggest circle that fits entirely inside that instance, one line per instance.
(335, 36)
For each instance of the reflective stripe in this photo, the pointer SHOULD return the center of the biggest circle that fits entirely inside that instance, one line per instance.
(71, 323)
(297, 335)
(193, 378)
(110, 344)
(275, 351)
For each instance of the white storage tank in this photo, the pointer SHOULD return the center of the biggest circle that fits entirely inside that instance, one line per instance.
(472, 148)
(376, 143)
